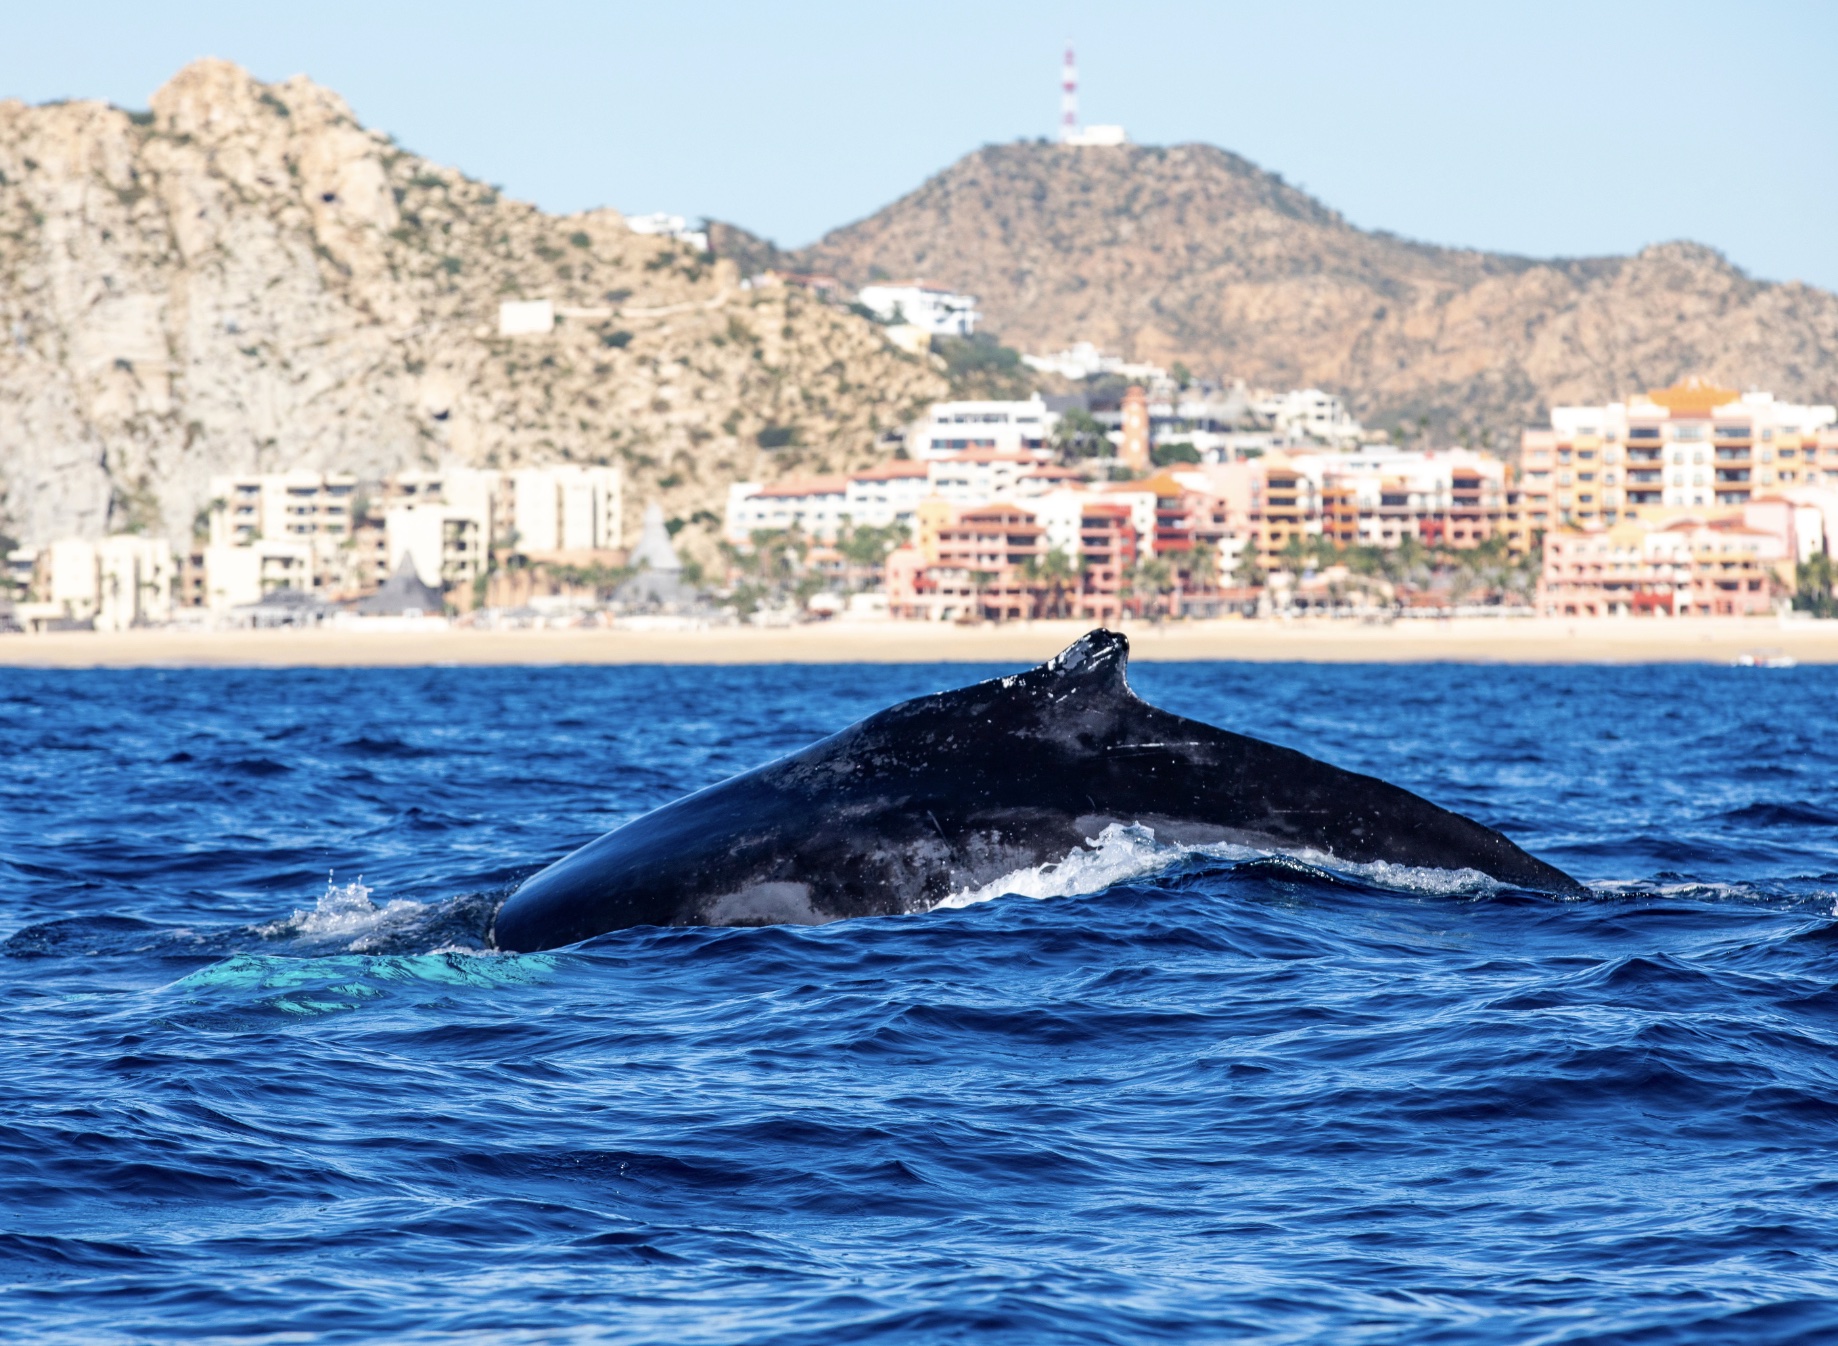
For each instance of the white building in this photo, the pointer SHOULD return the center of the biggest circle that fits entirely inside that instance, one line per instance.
(118, 582)
(1309, 414)
(293, 505)
(1392, 488)
(950, 428)
(1082, 360)
(931, 308)
(133, 582)
(890, 493)
(814, 506)
(526, 317)
(567, 507)
(980, 475)
(669, 226)
(237, 575)
(445, 522)
(1098, 136)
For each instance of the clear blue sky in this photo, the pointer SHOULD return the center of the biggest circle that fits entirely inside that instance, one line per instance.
(1553, 128)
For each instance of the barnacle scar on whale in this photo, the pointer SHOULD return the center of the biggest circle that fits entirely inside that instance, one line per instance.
(949, 793)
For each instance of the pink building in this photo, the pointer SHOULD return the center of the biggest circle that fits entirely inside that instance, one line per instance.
(1689, 567)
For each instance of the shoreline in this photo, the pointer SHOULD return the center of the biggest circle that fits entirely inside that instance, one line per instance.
(1528, 640)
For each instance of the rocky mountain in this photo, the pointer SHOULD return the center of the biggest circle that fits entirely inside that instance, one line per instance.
(243, 278)
(1193, 254)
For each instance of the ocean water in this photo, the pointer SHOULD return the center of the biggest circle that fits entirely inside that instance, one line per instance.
(259, 1083)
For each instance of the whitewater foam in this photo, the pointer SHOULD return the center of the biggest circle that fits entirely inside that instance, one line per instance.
(348, 919)
(1123, 852)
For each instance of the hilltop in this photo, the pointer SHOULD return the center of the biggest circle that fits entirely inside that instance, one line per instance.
(244, 278)
(1194, 254)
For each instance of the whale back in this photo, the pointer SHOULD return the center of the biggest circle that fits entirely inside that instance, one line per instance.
(957, 790)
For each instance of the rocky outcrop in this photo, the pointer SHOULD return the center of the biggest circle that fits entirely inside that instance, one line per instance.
(243, 278)
(1190, 253)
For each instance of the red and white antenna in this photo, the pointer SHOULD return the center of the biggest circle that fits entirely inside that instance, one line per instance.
(1069, 98)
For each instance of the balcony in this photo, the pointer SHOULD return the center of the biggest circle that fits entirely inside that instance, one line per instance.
(1731, 474)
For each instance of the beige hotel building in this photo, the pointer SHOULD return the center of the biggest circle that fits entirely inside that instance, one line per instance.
(1693, 446)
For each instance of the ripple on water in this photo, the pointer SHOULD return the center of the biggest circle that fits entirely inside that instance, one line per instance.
(1181, 1094)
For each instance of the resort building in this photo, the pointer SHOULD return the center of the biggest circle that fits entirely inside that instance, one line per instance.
(1689, 567)
(1691, 446)
(1379, 495)
(566, 508)
(950, 428)
(111, 584)
(281, 505)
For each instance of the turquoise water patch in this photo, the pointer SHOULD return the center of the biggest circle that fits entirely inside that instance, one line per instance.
(341, 983)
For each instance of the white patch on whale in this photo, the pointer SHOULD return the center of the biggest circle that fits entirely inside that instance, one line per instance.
(1126, 851)
(765, 904)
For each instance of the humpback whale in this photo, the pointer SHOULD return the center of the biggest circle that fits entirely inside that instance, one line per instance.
(952, 792)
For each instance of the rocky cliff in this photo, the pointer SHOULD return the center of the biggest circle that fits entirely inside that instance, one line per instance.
(1190, 253)
(243, 278)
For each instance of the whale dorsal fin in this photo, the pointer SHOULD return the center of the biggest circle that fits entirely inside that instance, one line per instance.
(1095, 663)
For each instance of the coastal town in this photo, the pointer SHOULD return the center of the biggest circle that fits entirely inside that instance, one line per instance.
(646, 422)
(1170, 501)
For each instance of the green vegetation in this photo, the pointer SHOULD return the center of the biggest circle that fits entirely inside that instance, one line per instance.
(1079, 435)
(777, 437)
(772, 566)
(1150, 581)
(982, 367)
(1058, 574)
(617, 340)
(579, 238)
(1485, 569)
(866, 547)
(135, 508)
(602, 579)
(1165, 454)
(1813, 586)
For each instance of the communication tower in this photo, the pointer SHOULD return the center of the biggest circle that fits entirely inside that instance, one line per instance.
(1069, 98)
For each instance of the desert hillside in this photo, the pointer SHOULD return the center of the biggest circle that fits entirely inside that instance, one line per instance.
(1191, 253)
(243, 278)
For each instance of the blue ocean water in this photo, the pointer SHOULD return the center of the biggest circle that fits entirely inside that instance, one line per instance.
(1226, 1101)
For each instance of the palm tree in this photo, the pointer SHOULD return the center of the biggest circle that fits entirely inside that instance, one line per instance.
(1203, 567)
(1813, 586)
(1079, 434)
(980, 580)
(1057, 572)
(1151, 577)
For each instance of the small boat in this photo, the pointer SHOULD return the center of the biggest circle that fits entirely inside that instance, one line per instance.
(1766, 659)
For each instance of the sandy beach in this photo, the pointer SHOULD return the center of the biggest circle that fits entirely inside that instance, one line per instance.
(1529, 640)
